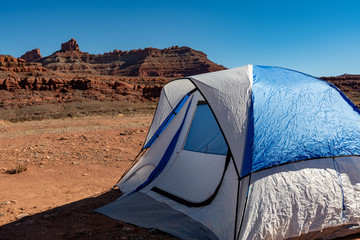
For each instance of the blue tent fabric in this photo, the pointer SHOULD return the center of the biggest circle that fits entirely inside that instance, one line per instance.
(167, 121)
(166, 157)
(296, 117)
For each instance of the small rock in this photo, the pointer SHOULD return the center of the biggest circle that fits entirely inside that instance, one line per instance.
(5, 203)
(61, 172)
(2, 214)
(46, 216)
(22, 215)
(83, 137)
(154, 231)
(84, 174)
(30, 222)
(74, 163)
(22, 208)
(63, 138)
(120, 225)
(128, 229)
(80, 233)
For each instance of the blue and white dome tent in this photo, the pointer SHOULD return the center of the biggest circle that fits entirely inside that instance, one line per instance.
(247, 153)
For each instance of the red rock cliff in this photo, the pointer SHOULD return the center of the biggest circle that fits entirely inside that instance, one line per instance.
(149, 62)
(32, 55)
(71, 45)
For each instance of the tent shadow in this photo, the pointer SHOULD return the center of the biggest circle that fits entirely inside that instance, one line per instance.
(77, 220)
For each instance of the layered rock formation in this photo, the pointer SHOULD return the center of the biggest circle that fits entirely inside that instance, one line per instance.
(346, 82)
(17, 75)
(149, 62)
(71, 45)
(9, 65)
(32, 55)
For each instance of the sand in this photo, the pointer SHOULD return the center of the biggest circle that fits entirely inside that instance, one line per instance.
(71, 166)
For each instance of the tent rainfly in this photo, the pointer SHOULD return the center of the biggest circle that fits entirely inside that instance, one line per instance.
(247, 153)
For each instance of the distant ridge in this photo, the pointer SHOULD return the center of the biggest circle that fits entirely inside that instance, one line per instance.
(149, 62)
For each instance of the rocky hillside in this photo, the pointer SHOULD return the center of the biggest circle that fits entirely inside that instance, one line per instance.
(9, 65)
(348, 84)
(149, 62)
(32, 55)
(79, 83)
(25, 86)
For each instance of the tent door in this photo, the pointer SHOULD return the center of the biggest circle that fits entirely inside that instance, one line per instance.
(198, 170)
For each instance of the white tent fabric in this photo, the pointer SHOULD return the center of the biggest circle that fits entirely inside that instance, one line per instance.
(302, 184)
(313, 185)
(170, 96)
(144, 211)
(229, 96)
(151, 158)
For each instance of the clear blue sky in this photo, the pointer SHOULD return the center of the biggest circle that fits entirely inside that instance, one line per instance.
(321, 38)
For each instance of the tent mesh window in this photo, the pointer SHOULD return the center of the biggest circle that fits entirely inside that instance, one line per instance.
(205, 135)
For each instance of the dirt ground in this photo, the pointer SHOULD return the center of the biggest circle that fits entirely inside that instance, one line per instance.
(71, 166)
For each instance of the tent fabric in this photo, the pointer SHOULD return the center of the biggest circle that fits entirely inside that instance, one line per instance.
(171, 95)
(219, 216)
(293, 143)
(298, 117)
(144, 211)
(166, 121)
(301, 197)
(204, 124)
(179, 179)
(166, 157)
(143, 168)
(228, 94)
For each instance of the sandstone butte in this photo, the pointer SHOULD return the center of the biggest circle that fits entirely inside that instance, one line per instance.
(149, 62)
(137, 73)
(32, 55)
(17, 75)
(134, 72)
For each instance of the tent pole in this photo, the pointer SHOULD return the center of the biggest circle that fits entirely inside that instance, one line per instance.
(243, 213)
(237, 208)
(131, 165)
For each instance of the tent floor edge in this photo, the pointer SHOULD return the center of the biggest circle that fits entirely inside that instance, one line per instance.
(144, 211)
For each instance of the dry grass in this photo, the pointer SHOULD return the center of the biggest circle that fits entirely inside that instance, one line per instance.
(19, 168)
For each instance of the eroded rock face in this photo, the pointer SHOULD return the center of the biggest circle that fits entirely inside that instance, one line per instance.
(32, 55)
(149, 62)
(152, 92)
(346, 82)
(10, 64)
(70, 45)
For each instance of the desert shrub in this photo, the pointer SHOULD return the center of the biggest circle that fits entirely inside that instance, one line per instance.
(18, 169)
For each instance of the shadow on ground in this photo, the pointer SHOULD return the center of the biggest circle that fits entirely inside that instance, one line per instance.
(77, 220)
